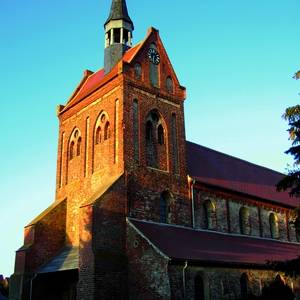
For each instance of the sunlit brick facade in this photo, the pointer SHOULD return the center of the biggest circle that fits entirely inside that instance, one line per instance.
(140, 213)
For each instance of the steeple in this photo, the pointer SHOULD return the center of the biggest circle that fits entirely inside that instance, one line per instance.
(118, 34)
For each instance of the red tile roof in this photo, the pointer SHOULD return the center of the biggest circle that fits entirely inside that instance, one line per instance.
(211, 247)
(218, 169)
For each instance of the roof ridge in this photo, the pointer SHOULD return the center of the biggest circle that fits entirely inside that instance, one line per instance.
(236, 158)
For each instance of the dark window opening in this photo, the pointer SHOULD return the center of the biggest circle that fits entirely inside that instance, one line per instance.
(154, 116)
(244, 286)
(107, 131)
(109, 38)
(125, 36)
(98, 136)
(117, 35)
(78, 146)
(165, 202)
(160, 135)
(149, 130)
(199, 288)
(72, 146)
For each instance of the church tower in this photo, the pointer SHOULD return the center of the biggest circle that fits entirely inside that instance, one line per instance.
(121, 155)
(118, 34)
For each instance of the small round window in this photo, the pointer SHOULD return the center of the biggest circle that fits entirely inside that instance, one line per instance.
(137, 71)
(169, 84)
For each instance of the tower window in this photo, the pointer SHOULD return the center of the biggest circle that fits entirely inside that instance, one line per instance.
(125, 36)
(149, 129)
(98, 136)
(107, 131)
(135, 124)
(78, 146)
(75, 144)
(72, 148)
(174, 143)
(117, 35)
(164, 207)
(137, 71)
(160, 135)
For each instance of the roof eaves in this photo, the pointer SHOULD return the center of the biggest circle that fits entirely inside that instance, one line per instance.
(147, 239)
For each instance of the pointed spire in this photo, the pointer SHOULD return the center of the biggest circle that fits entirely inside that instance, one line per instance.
(119, 11)
(118, 34)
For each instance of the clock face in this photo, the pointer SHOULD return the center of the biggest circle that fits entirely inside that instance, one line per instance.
(153, 56)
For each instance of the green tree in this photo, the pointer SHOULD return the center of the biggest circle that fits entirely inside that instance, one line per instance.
(291, 181)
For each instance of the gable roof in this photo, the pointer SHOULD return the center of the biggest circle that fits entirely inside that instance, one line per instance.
(92, 81)
(182, 243)
(218, 169)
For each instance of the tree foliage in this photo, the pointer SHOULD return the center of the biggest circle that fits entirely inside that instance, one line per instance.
(291, 181)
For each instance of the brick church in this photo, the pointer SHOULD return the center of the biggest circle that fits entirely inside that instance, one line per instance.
(141, 213)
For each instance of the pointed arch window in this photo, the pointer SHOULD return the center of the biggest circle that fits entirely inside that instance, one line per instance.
(107, 131)
(149, 131)
(244, 218)
(75, 144)
(78, 151)
(273, 221)
(72, 150)
(160, 135)
(209, 215)
(98, 136)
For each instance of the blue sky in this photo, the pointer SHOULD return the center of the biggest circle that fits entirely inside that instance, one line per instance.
(236, 58)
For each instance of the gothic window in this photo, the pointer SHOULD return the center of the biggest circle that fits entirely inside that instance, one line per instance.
(164, 206)
(244, 281)
(160, 135)
(153, 69)
(156, 150)
(209, 215)
(149, 131)
(273, 221)
(137, 71)
(174, 144)
(107, 131)
(75, 144)
(199, 288)
(72, 149)
(78, 150)
(244, 218)
(98, 136)
(136, 129)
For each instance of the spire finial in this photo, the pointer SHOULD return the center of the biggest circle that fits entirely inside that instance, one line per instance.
(119, 11)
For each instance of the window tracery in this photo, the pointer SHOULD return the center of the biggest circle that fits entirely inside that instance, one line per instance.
(75, 144)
